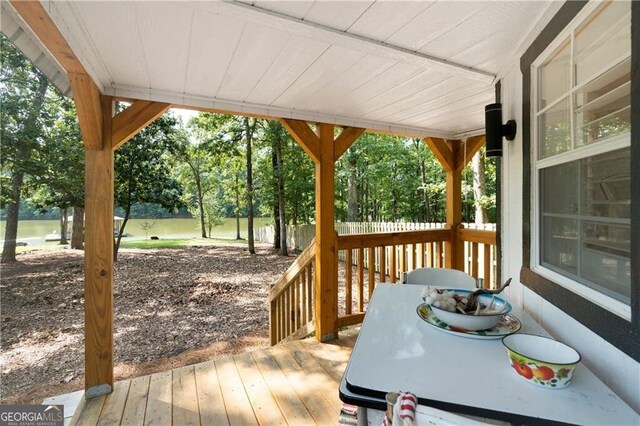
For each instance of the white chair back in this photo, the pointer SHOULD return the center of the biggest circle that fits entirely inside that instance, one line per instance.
(440, 277)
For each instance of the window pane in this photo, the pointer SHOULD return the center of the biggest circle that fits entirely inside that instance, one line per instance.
(555, 130)
(607, 185)
(603, 106)
(559, 188)
(602, 39)
(606, 258)
(553, 76)
(560, 243)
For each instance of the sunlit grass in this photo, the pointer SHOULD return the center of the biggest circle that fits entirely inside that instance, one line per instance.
(177, 243)
(143, 244)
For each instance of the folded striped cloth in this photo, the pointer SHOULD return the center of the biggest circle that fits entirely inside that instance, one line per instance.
(404, 410)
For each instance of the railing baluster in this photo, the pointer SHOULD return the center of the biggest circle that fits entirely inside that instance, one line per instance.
(310, 290)
(296, 308)
(439, 254)
(474, 260)
(383, 266)
(348, 282)
(429, 263)
(392, 265)
(372, 270)
(487, 265)
(361, 279)
(303, 297)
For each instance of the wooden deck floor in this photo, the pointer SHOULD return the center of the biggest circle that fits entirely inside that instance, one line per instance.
(295, 383)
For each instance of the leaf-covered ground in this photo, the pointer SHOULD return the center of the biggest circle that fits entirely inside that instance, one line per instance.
(173, 307)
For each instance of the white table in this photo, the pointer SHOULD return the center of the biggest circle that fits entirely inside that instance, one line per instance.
(398, 351)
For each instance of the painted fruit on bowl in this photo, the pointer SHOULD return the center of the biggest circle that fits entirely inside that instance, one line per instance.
(540, 360)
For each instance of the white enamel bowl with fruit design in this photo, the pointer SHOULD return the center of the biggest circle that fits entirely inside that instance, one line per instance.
(469, 322)
(540, 360)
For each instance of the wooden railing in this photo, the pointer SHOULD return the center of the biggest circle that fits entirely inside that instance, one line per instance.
(291, 299)
(364, 260)
(384, 256)
(480, 254)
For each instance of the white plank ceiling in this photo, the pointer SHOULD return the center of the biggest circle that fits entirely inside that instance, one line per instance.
(423, 68)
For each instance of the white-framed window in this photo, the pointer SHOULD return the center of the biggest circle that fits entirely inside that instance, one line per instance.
(581, 167)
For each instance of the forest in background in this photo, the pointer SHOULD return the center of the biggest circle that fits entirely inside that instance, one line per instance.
(211, 167)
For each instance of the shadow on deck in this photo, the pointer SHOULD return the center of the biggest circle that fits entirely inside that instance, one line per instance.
(293, 383)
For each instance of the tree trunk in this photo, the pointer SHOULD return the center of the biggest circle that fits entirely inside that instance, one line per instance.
(249, 135)
(13, 207)
(201, 207)
(17, 179)
(352, 204)
(281, 200)
(478, 188)
(237, 207)
(276, 203)
(77, 231)
(427, 207)
(121, 233)
(64, 224)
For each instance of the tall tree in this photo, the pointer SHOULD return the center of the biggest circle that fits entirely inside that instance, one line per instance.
(143, 170)
(22, 96)
(249, 129)
(196, 176)
(61, 180)
(352, 167)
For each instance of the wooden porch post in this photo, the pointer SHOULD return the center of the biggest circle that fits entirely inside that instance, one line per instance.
(324, 151)
(98, 260)
(454, 156)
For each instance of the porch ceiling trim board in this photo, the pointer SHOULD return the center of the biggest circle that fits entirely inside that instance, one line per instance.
(271, 112)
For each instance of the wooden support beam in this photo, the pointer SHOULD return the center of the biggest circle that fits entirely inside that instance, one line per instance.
(455, 249)
(326, 263)
(442, 151)
(345, 140)
(468, 150)
(324, 150)
(133, 119)
(306, 138)
(35, 15)
(87, 99)
(98, 261)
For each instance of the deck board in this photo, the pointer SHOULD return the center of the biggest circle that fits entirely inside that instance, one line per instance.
(160, 400)
(136, 406)
(290, 404)
(294, 383)
(185, 397)
(236, 400)
(212, 410)
(264, 405)
(91, 411)
(114, 404)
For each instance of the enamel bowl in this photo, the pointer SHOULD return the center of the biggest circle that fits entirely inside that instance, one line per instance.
(465, 322)
(540, 360)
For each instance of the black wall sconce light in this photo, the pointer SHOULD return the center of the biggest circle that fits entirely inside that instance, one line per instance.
(495, 130)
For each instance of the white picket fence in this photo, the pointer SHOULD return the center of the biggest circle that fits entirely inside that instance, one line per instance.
(299, 236)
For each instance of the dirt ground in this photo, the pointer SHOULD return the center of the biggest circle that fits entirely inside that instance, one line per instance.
(173, 307)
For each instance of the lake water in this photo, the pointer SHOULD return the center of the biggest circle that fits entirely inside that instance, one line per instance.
(33, 231)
